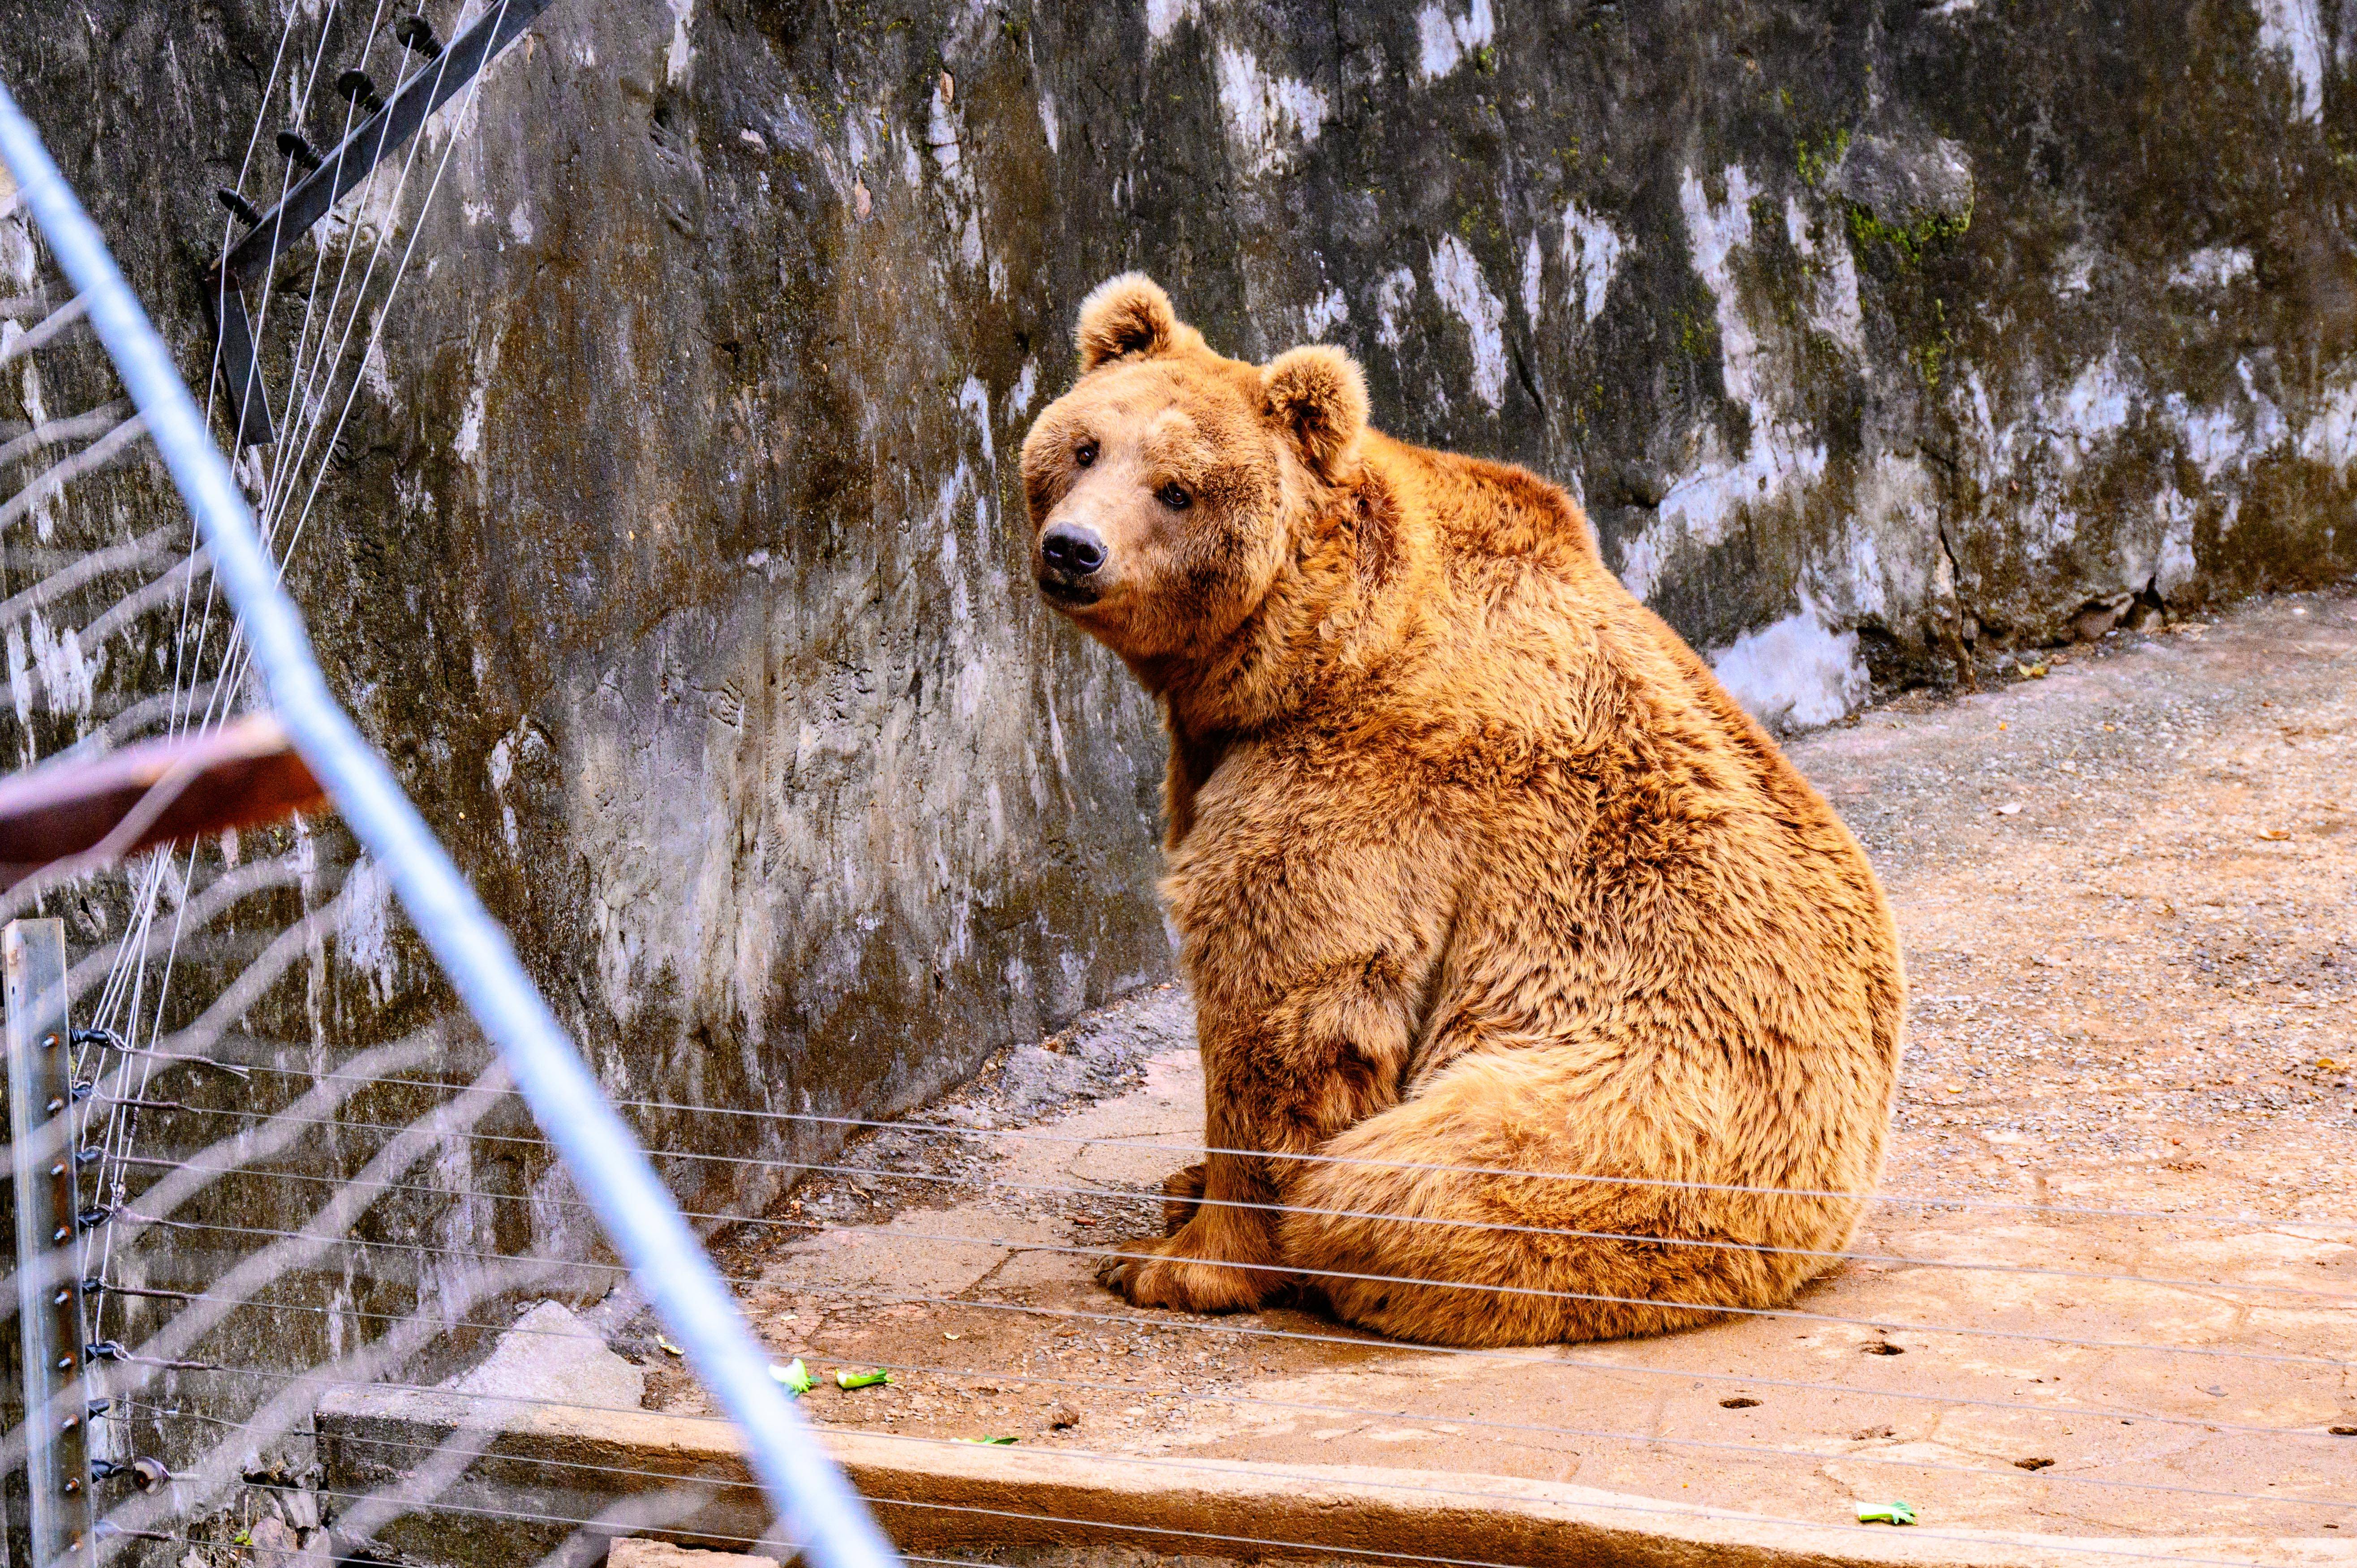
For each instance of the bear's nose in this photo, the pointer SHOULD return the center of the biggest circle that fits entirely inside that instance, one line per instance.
(1076, 552)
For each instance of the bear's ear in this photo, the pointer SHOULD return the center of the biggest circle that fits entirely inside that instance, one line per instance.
(1317, 395)
(1123, 315)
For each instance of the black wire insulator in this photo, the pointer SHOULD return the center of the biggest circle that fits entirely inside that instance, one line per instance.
(360, 91)
(94, 1216)
(147, 1472)
(292, 144)
(415, 34)
(106, 1350)
(240, 208)
(108, 1037)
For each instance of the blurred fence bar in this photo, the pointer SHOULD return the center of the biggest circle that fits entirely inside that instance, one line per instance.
(48, 1287)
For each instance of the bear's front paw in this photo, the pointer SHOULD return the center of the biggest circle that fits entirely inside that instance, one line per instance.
(1144, 1272)
(1115, 1268)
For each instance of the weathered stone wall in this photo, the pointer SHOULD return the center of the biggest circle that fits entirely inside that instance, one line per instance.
(675, 552)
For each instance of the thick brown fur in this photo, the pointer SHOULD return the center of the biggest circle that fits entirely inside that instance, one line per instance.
(1492, 901)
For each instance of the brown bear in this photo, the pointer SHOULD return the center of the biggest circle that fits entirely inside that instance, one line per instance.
(1539, 997)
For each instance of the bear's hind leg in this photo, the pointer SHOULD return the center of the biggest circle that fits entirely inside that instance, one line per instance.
(1527, 1260)
(1182, 1193)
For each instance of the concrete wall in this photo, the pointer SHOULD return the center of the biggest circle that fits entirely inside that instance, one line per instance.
(675, 550)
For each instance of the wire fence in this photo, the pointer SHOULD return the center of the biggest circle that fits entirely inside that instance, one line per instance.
(366, 1270)
(229, 936)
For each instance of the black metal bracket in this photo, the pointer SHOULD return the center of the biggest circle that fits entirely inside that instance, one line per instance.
(333, 176)
(241, 370)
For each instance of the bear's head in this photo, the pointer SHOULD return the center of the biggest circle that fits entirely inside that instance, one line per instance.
(1169, 488)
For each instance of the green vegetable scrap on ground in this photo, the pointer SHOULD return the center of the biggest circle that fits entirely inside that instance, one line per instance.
(849, 1380)
(1888, 1513)
(985, 1442)
(794, 1376)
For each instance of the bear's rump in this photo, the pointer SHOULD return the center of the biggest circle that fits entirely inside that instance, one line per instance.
(1570, 1206)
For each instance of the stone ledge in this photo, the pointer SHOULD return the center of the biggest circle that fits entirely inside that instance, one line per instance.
(571, 1462)
(637, 1552)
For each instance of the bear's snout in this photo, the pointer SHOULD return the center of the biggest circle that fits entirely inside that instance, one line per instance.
(1068, 555)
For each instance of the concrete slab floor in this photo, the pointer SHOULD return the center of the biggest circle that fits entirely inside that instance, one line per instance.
(2128, 891)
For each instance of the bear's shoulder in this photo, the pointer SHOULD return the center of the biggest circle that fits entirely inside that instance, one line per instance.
(1481, 509)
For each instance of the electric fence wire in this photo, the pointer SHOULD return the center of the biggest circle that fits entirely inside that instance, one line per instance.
(921, 1237)
(988, 1185)
(1027, 1377)
(193, 1173)
(925, 1238)
(126, 982)
(270, 501)
(1925, 1200)
(184, 663)
(355, 1079)
(2037, 1479)
(1359, 1342)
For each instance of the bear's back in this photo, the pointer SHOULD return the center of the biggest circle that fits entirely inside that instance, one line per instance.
(1542, 637)
(1601, 780)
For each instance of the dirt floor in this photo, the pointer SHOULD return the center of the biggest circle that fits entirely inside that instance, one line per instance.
(2128, 889)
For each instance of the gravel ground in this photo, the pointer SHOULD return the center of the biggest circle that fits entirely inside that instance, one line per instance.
(2130, 894)
(1101, 1056)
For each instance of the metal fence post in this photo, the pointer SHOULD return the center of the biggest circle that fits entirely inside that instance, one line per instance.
(49, 1283)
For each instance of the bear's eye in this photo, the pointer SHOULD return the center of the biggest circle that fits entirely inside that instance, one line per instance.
(1175, 499)
(1085, 453)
